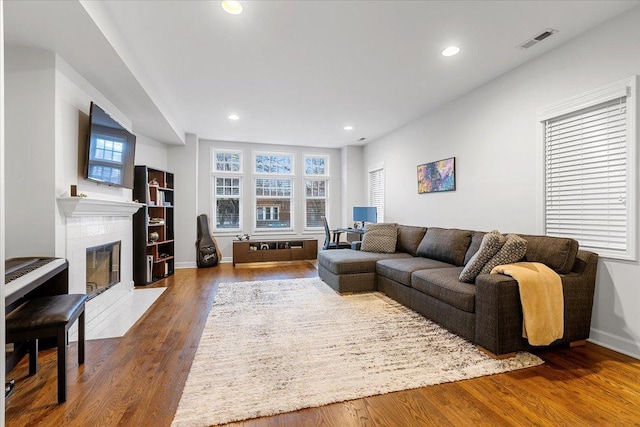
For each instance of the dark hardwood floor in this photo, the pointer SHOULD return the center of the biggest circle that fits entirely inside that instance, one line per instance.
(137, 380)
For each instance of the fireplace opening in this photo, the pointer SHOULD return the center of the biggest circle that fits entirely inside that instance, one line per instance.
(103, 268)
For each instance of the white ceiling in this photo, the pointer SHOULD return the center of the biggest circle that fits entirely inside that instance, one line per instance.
(296, 72)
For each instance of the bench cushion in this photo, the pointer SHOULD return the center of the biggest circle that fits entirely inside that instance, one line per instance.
(400, 269)
(45, 311)
(349, 261)
(443, 284)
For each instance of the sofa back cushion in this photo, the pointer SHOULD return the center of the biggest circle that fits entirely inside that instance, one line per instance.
(476, 241)
(381, 238)
(558, 253)
(409, 237)
(445, 244)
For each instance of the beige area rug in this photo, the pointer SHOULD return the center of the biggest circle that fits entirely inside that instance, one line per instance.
(278, 346)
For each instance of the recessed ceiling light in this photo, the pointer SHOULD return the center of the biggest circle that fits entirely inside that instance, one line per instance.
(232, 7)
(234, 117)
(450, 51)
(348, 128)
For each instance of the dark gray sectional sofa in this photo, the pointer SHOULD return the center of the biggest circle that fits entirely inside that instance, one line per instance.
(423, 274)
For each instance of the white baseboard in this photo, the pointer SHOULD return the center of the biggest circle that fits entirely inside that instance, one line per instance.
(179, 265)
(616, 343)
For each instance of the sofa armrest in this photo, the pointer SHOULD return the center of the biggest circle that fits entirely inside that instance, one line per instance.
(499, 311)
(578, 288)
(498, 314)
(356, 245)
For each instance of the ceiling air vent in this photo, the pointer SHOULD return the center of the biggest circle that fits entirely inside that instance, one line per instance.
(537, 38)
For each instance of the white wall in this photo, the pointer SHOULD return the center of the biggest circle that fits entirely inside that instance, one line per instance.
(492, 133)
(30, 150)
(183, 162)
(354, 187)
(150, 152)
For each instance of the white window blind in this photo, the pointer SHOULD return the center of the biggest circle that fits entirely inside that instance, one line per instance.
(586, 176)
(376, 191)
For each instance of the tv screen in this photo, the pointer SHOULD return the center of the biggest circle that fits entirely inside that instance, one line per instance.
(110, 150)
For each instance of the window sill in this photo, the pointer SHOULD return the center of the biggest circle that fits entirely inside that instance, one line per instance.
(272, 232)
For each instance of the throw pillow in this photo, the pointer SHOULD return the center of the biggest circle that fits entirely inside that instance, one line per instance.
(513, 251)
(491, 244)
(380, 238)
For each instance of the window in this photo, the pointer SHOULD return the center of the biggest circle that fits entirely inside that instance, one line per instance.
(268, 213)
(376, 189)
(228, 200)
(315, 197)
(589, 170)
(273, 203)
(316, 165)
(227, 160)
(227, 189)
(106, 158)
(274, 163)
(315, 202)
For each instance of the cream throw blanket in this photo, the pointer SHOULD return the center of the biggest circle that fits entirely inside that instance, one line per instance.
(542, 300)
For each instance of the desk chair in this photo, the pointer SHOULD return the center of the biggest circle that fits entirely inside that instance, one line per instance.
(332, 238)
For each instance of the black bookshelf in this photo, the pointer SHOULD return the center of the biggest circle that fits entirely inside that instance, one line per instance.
(153, 229)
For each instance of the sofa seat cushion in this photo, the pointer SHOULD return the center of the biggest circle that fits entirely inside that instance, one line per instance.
(349, 261)
(400, 269)
(443, 284)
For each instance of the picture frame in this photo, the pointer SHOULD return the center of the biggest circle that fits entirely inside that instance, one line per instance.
(438, 176)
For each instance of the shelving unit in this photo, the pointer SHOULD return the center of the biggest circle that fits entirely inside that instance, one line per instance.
(274, 250)
(153, 230)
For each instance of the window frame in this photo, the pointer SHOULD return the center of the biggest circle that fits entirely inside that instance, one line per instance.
(325, 157)
(214, 161)
(316, 178)
(325, 177)
(624, 88)
(215, 174)
(257, 153)
(256, 198)
(215, 198)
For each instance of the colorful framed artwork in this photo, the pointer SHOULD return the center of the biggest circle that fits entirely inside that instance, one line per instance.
(437, 176)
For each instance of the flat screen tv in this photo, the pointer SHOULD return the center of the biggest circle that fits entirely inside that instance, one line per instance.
(110, 150)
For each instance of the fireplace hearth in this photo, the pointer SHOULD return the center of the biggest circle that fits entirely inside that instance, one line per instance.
(103, 268)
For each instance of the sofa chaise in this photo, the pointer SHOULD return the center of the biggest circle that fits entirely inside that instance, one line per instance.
(423, 274)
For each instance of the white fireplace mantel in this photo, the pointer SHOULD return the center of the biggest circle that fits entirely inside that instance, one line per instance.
(84, 206)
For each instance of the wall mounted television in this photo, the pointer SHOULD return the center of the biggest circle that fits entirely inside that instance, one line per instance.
(110, 150)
